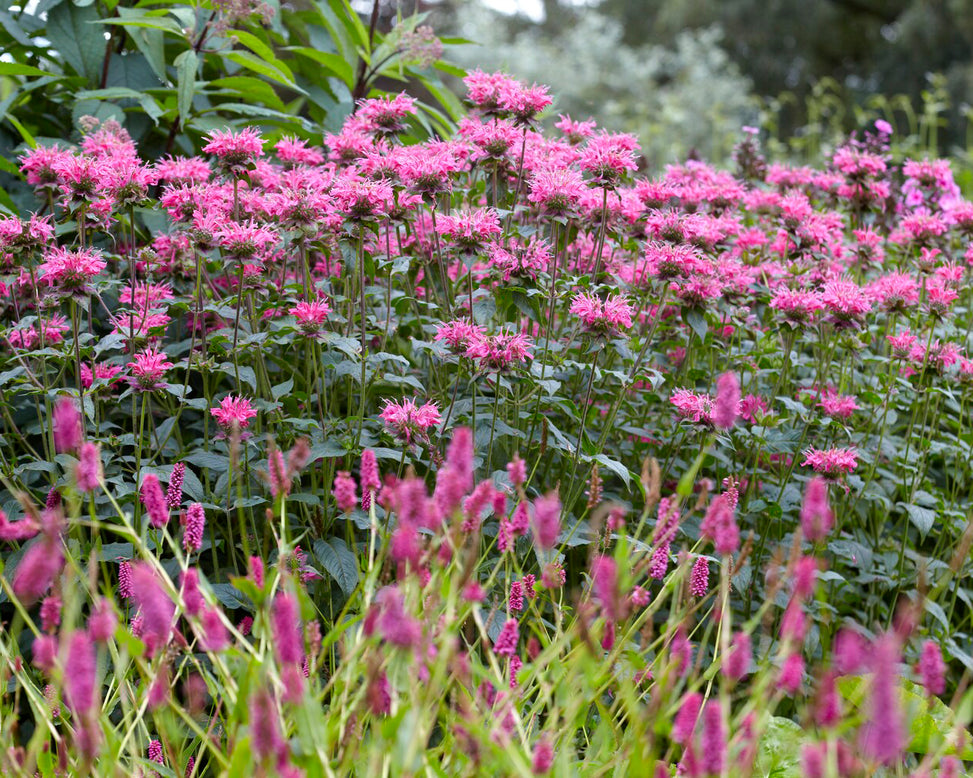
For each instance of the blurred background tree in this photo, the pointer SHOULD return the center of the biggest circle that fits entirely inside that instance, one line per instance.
(695, 70)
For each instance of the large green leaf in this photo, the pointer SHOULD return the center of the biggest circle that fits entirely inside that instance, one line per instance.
(74, 36)
(339, 561)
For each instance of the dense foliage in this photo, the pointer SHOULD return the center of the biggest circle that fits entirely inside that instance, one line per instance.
(482, 453)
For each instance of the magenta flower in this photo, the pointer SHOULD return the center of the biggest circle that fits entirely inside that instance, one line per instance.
(736, 664)
(699, 578)
(604, 317)
(174, 489)
(726, 408)
(695, 407)
(194, 522)
(233, 410)
(543, 756)
(883, 736)
(67, 425)
(386, 115)
(932, 669)
(79, 674)
(406, 419)
(154, 501)
(832, 463)
(286, 621)
(148, 369)
(556, 190)
(345, 491)
(156, 607)
(506, 642)
(469, 230)
(37, 570)
(547, 520)
(685, 723)
(87, 473)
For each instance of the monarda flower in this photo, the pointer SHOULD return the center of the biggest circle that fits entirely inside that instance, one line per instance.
(832, 463)
(407, 419)
(148, 369)
(233, 410)
(234, 151)
(500, 352)
(154, 501)
(71, 271)
(459, 335)
(193, 524)
(608, 317)
(311, 316)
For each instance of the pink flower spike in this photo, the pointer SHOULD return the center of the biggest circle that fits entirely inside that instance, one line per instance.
(154, 501)
(67, 425)
(726, 408)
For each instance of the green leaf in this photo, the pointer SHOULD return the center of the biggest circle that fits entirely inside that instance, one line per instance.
(616, 467)
(697, 321)
(229, 596)
(779, 753)
(333, 63)
(186, 65)
(152, 109)
(15, 69)
(339, 561)
(281, 389)
(922, 518)
(254, 63)
(74, 37)
(150, 41)
(251, 89)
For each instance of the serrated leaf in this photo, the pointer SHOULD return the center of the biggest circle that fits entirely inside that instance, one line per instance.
(922, 518)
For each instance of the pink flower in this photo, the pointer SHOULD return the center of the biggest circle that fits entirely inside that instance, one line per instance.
(883, 736)
(469, 230)
(311, 316)
(235, 150)
(71, 271)
(156, 607)
(370, 481)
(500, 352)
(831, 463)
(386, 115)
(148, 369)
(713, 739)
(407, 419)
(604, 317)
(459, 335)
(608, 157)
(517, 471)
(556, 190)
(685, 723)
(791, 674)
(696, 407)
(543, 756)
(394, 624)
(737, 663)
(233, 410)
